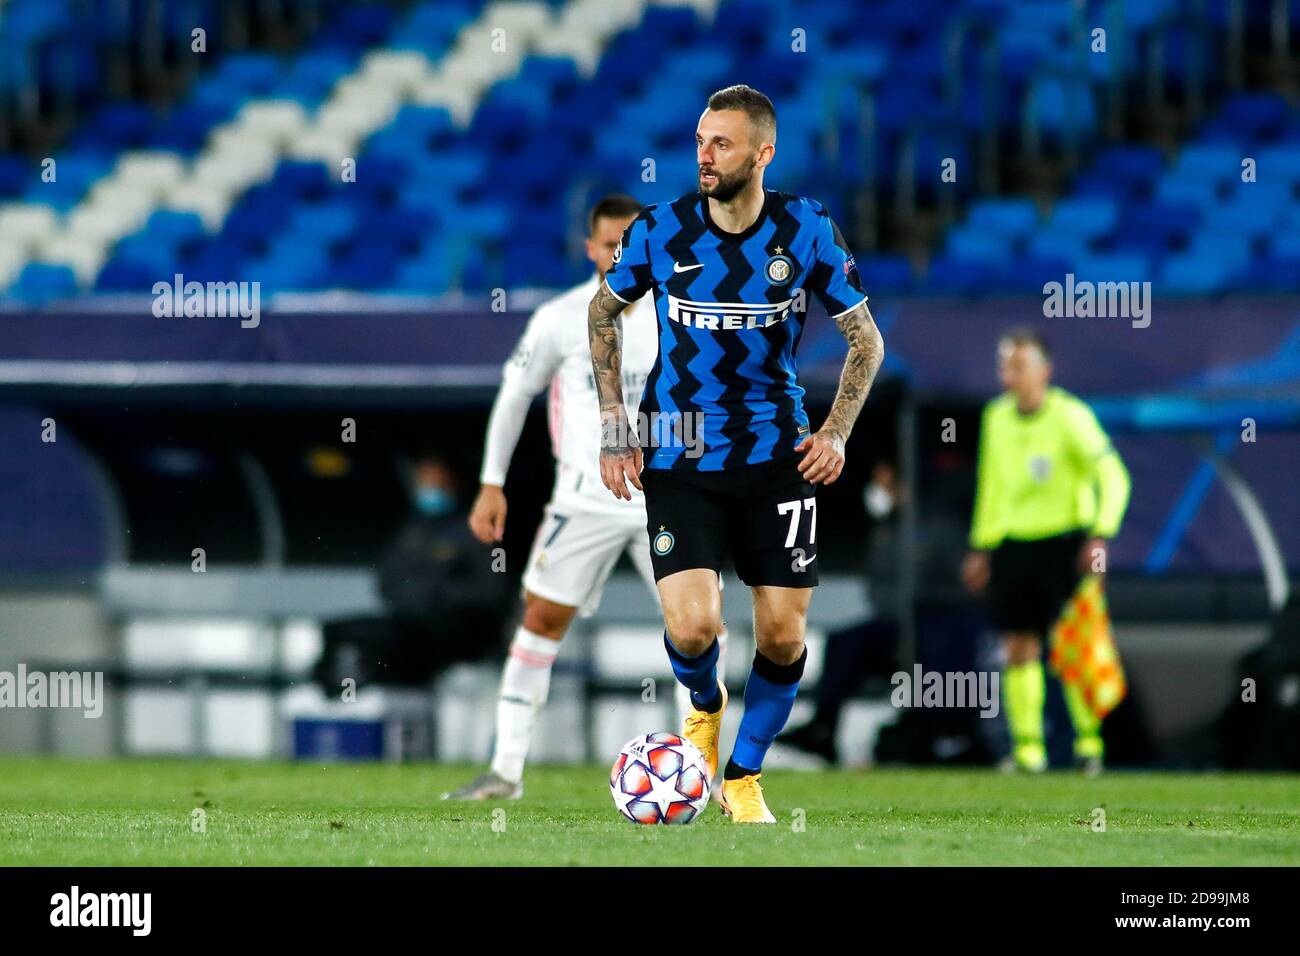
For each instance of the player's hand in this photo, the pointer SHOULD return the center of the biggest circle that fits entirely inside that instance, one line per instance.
(487, 519)
(823, 459)
(620, 453)
(975, 571)
(619, 467)
(1094, 557)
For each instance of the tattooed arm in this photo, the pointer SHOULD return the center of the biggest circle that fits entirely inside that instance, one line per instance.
(825, 450)
(866, 352)
(620, 450)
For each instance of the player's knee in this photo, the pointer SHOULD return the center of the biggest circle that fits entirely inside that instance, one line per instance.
(781, 640)
(785, 650)
(545, 618)
(692, 633)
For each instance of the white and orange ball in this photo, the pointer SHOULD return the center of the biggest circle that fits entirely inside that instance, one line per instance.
(660, 778)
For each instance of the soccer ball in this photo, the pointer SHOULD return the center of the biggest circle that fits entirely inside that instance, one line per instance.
(660, 778)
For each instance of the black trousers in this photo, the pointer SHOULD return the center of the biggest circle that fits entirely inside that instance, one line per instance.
(404, 651)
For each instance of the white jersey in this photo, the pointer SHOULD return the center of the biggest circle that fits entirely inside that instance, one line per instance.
(555, 354)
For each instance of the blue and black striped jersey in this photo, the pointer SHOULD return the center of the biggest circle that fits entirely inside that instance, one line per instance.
(731, 310)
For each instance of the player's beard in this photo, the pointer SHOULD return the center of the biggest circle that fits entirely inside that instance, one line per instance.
(729, 186)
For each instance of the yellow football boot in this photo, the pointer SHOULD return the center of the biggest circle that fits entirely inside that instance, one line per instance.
(705, 730)
(742, 800)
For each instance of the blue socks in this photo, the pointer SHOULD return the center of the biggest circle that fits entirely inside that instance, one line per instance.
(698, 674)
(769, 697)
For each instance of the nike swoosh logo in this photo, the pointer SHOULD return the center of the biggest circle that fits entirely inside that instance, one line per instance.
(802, 563)
(678, 267)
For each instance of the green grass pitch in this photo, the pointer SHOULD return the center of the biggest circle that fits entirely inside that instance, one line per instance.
(141, 812)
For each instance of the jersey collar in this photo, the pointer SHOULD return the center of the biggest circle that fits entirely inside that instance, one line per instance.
(750, 230)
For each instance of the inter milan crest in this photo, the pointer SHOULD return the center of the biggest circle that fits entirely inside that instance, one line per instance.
(618, 251)
(779, 269)
(664, 541)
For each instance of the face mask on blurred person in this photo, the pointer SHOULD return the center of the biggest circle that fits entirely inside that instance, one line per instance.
(878, 500)
(433, 502)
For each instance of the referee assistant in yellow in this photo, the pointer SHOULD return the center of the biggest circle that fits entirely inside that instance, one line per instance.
(1052, 492)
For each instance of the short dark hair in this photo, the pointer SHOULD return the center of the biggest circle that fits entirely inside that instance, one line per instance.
(613, 206)
(755, 105)
(1026, 335)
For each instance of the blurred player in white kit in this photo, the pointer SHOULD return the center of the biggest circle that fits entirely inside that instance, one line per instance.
(584, 529)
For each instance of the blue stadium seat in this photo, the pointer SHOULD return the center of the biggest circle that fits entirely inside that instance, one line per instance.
(1285, 243)
(311, 76)
(403, 229)
(1090, 219)
(42, 282)
(146, 252)
(303, 179)
(324, 222)
(1270, 273)
(1188, 274)
(74, 174)
(293, 265)
(214, 261)
(1126, 267)
(885, 273)
(427, 273)
(948, 274)
(14, 173)
(1256, 115)
(1060, 103)
(128, 275)
(1182, 186)
(1058, 245)
(365, 264)
(1134, 166)
(1231, 250)
(1246, 216)
(1279, 164)
(1010, 218)
(186, 128)
(1215, 162)
(118, 126)
(971, 244)
(1031, 273)
(1168, 222)
(359, 27)
(169, 227)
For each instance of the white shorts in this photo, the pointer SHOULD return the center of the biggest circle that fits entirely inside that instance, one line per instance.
(576, 549)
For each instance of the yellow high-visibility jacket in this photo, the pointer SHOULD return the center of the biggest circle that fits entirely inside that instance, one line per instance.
(1047, 473)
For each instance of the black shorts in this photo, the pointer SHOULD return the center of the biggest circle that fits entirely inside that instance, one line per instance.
(1030, 581)
(764, 516)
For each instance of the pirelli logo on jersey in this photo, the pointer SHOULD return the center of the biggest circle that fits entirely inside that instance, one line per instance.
(727, 315)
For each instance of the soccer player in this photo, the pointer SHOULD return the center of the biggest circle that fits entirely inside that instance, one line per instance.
(583, 531)
(730, 266)
(1051, 493)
